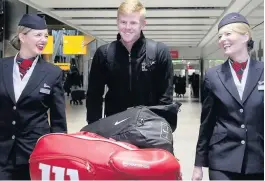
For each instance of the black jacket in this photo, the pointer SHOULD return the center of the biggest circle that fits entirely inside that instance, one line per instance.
(129, 83)
(232, 130)
(23, 122)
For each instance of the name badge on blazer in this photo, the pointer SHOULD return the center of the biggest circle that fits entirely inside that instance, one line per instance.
(45, 91)
(261, 86)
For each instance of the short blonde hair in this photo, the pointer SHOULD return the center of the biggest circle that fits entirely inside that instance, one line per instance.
(15, 41)
(240, 28)
(132, 6)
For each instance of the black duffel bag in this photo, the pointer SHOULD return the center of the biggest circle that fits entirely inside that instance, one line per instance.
(142, 126)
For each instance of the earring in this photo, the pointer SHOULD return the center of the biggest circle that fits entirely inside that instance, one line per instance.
(250, 44)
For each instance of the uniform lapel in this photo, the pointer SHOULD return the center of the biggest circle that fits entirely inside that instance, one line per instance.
(226, 78)
(8, 77)
(35, 79)
(254, 73)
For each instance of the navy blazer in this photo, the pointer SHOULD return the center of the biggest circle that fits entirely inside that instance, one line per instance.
(23, 122)
(231, 134)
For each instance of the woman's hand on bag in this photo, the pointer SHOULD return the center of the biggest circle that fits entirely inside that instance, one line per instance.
(197, 174)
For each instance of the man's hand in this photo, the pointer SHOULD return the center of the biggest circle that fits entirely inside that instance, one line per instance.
(197, 174)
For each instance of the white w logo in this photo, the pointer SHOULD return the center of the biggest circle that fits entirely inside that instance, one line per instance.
(59, 172)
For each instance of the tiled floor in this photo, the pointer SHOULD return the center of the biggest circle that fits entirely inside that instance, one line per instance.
(185, 136)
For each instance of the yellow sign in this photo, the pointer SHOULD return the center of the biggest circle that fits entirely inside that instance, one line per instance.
(49, 47)
(73, 45)
(63, 66)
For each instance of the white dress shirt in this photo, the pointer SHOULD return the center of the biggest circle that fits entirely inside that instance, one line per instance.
(19, 84)
(240, 85)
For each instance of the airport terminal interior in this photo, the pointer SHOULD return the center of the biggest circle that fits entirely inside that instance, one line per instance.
(189, 28)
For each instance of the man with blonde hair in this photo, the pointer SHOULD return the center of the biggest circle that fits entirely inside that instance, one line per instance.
(137, 71)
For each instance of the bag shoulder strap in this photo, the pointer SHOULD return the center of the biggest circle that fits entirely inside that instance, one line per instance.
(109, 48)
(151, 49)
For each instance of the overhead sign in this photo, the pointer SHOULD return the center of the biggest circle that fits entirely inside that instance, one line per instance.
(174, 54)
(63, 66)
(74, 45)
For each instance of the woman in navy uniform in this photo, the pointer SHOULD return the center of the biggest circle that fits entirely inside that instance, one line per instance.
(29, 87)
(231, 134)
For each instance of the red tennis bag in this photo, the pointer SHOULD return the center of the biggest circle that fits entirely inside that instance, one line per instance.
(88, 156)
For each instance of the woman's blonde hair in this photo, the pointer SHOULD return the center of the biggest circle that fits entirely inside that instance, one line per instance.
(15, 41)
(132, 6)
(240, 28)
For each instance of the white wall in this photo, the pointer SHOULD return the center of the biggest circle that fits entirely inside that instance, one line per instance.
(87, 60)
(212, 51)
(258, 37)
(100, 42)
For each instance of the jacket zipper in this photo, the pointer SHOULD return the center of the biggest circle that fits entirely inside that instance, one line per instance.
(130, 71)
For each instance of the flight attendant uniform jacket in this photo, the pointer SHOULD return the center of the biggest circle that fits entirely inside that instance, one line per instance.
(24, 106)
